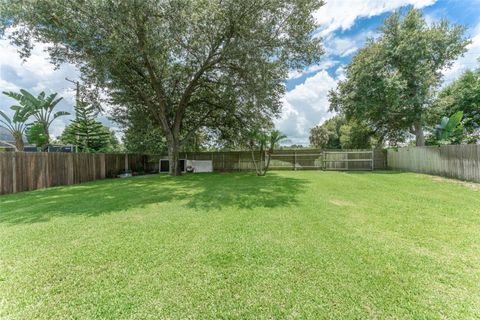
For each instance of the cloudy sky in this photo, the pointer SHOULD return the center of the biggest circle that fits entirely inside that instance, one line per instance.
(345, 26)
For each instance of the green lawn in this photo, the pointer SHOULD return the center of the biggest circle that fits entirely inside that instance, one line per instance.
(290, 245)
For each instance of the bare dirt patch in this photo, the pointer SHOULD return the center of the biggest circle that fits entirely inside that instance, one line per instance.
(470, 185)
(341, 203)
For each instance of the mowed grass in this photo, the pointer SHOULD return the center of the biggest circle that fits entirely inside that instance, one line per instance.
(319, 245)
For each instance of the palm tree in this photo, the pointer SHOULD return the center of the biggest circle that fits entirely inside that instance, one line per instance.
(40, 107)
(15, 126)
(263, 140)
(274, 138)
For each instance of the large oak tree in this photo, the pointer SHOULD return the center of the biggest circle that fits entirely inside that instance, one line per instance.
(186, 63)
(391, 82)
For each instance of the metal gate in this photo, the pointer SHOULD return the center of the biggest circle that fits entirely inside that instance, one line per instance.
(349, 160)
(296, 160)
(342, 160)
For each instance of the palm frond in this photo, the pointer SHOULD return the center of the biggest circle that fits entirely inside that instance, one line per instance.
(7, 118)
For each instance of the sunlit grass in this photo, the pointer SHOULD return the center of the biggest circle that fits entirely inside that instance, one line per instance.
(289, 245)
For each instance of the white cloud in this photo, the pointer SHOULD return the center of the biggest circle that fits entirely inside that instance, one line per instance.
(340, 73)
(346, 46)
(341, 14)
(328, 63)
(306, 106)
(342, 46)
(37, 74)
(468, 61)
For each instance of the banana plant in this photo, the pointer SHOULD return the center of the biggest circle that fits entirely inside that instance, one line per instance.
(16, 126)
(41, 108)
(265, 143)
(449, 128)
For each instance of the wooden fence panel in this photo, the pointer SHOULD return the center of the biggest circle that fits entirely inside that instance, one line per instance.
(23, 171)
(453, 161)
(6, 170)
(58, 168)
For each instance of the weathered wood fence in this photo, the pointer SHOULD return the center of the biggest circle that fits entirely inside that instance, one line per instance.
(454, 161)
(302, 159)
(23, 171)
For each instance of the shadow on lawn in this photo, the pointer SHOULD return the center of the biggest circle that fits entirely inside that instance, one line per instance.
(201, 191)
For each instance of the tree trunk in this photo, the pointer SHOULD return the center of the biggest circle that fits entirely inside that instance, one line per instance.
(19, 145)
(419, 136)
(254, 161)
(267, 165)
(47, 138)
(173, 158)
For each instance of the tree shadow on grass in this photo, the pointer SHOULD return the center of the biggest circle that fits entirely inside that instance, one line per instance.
(194, 191)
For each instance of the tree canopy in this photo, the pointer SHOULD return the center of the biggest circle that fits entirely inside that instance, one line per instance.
(41, 108)
(36, 134)
(391, 82)
(318, 136)
(187, 64)
(338, 133)
(462, 95)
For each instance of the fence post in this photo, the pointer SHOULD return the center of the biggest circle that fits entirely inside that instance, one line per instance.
(238, 160)
(295, 160)
(94, 167)
(14, 171)
(144, 158)
(70, 171)
(47, 171)
(324, 158)
(373, 159)
(102, 166)
(126, 162)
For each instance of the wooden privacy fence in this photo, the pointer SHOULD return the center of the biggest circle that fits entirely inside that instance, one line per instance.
(24, 171)
(306, 159)
(454, 161)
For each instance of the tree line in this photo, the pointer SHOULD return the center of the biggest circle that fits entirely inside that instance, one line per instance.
(391, 89)
(185, 75)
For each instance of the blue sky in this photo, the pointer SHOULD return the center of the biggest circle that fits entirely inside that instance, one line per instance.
(344, 27)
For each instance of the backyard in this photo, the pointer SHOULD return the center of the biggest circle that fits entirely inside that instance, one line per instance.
(289, 245)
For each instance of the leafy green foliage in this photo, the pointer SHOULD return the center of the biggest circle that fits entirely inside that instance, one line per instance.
(450, 129)
(390, 83)
(16, 125)
(356, 135)
(145, 139)
(187, 64)
(338, 133)
(319, 136)
(94, 137)
(264, 143)
(333, 126)
(40, 107)
(85, 131)
(461, 95)
(36, 134)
